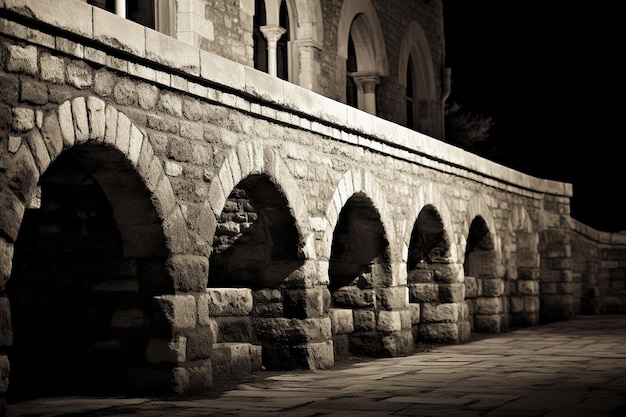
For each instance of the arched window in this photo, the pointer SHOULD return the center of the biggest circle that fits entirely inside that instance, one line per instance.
(351, 68)
(272, 47)
(410, 95)
(282, 47)
(260, 44)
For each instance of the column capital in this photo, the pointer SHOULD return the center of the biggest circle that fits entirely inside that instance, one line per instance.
(272, 33)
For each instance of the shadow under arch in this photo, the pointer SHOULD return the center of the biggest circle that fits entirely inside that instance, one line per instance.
(263, 261)
(256, 244)
(359, 270)
(100, 248)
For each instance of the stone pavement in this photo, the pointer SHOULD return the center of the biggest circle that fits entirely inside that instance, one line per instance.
(573, 368)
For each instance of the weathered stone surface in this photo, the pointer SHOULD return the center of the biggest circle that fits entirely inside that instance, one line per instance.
(364, 320)
(6, 330)
(389, 321)
(492, 305)
(423, 292)
(22, 59)
(229, 301)
(438, 333)
(235, 329)
(200, 342)
(167, 351)
(471, 287)
(354, 297)
(452, 293)
(341, 320)
(235, 360)
(177, 311)
(393, 297)
(436, 313)
(309, 302)
(293, 331)
(188, 272)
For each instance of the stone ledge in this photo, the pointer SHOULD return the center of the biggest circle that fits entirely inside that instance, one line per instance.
(380, 135)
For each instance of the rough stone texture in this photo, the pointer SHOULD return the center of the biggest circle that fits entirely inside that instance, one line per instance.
(190, 142)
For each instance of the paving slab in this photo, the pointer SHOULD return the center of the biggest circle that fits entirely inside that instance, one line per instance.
(574, 368)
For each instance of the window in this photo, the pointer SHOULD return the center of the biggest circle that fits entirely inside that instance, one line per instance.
(282, 47)
(140, 11)
(351, 68)
(260, 43)
(272, 46)
(410, 95)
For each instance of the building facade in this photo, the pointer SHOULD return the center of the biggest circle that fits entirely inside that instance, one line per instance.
(194, 190)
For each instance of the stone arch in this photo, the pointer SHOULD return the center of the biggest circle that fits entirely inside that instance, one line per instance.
(353, 182)
(486, 292)
(478, 207)
(429, 195)
(415, 46)
(372, 42)
(248, 159)
(85, 135)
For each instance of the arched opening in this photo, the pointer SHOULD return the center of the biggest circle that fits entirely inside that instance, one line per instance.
(256, 237)
(428, 269)
(259, 41)
(86, 266)
(351, 67)
(256, 247)
(483, 287)
(359, 266)
(411, 95)
(283, 54)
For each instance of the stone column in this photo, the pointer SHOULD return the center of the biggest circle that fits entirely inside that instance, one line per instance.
(366, 89)
(309, 52)
(272, 34)
(120, 8)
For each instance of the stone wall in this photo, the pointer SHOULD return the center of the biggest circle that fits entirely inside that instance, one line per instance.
(599, 279)
(367, 237)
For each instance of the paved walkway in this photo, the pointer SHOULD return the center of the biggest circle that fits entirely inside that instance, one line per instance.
(575, 369)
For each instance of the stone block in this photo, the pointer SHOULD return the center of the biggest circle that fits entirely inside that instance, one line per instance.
(177, 311)
(415, 310)
(200, 342)
(22, 59)
(420, 276)
(366, 344)
(488, 323)
(188, 272)
(6, 262)
(341, 346)
(354, 297)
(167, 350)
(235, 329)
(33, 92)
(6, 331)
(437, 313)
(292, 331)
(364, 320)
(341, 320)
(452, 293)
(493, 287)
(444, 333)
(200, 378)
(398, 343)
(229, 301)
(52, 134)
(119, 33)
(471, 287)
(423, 292)
(405, 318)
(221, 70)
(12, 210)
(316, 355)
(77, 21)
(491, 305)
(171, 52)
(306, 302)
(389, 321)
(38, 149)
(23, 119)
(235, 361)
(392, 298)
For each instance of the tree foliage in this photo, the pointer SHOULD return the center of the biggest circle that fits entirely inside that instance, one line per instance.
(468, 130)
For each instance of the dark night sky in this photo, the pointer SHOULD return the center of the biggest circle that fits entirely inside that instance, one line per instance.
(550, 77)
